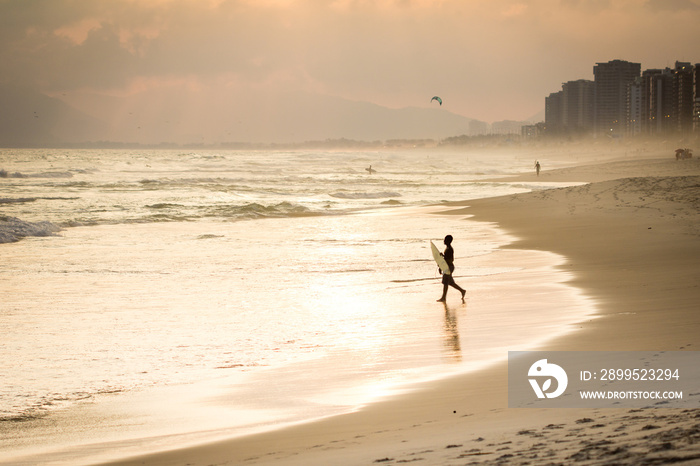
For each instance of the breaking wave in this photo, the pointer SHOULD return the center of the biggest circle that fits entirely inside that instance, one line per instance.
(172, 212)
(365, 195)
(13, 229)
(6, 174)
(39, 406)
(226, 211)
(255, 210)
(21, 200)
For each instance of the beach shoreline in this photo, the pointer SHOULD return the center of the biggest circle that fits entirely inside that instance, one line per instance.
(631, 244)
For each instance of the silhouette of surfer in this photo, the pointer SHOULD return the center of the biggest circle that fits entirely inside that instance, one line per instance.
(537, 167)
(371, 170)
(447, 280)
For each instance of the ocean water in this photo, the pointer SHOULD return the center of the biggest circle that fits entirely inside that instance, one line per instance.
(231, 291)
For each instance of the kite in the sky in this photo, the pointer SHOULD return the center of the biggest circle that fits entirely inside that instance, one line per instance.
(437, 98)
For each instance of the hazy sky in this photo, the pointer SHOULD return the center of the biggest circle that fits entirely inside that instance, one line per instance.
(487, 59)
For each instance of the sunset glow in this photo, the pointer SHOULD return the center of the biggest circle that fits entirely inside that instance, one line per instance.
(390, 53)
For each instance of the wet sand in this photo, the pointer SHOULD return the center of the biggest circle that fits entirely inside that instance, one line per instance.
(631, 239)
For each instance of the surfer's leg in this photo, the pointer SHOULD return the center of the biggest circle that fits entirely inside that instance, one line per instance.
(461, 290)
(457, 287)
(451, 282)
(444, 293)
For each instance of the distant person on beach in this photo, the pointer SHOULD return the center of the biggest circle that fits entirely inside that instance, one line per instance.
(370, 170)
(447, 280)
(537, 167)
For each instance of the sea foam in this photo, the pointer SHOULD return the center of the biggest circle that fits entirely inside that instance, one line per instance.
(13, 229)
(365, 195)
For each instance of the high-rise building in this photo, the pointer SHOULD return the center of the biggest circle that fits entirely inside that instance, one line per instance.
(578, 106)
(571, 110)
(553, 112)
(683, 93)
(696, 98)
(612, 80)
(621, 102)
(658, 101)
(648, 101)
(635, 109)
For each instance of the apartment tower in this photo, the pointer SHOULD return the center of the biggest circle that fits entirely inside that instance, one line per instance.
(612, 81)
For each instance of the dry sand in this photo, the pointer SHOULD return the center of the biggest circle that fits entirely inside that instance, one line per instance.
(632, 240)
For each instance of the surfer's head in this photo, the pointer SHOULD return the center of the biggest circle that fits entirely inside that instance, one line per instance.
(448, 240)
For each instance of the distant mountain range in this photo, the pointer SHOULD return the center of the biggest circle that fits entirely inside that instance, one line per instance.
(29, 118)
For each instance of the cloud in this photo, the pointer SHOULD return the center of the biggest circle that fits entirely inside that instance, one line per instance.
(515, 9)
(492, 58)
(674, 5)
(588, 5)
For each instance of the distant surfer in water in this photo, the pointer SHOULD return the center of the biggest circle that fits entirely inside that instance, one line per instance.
(371, 170)
(537, 167)
(447, 280)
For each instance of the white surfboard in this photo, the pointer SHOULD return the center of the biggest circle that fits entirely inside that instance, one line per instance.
(441, 262)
